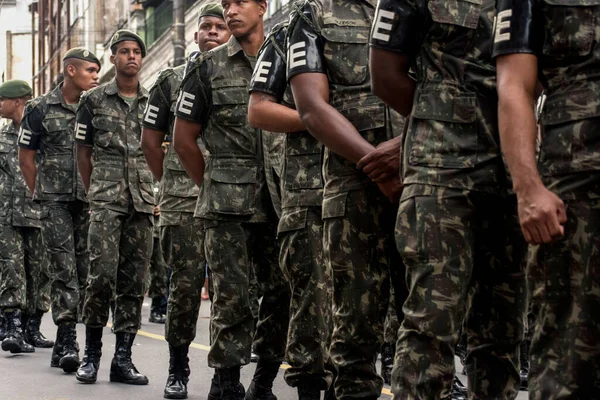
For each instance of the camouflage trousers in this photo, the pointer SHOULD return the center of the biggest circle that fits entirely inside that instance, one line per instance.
(565, 350)
(273, 150)
(24, 282)
(464, 255)
(301, 259)
(183, 251)
(360, 250)
(120, 246)
(392, 322)
(158, 272)
(65, 228)
(233, 249)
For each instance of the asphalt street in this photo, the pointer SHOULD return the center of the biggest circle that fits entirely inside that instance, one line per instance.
(30, 376)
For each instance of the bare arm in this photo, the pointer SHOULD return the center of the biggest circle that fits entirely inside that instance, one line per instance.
(541, 212)
(265, 113)
(185, 135)
(390, 81)
(152, 148)
(28, 167)
(325, 123)
(84, 164)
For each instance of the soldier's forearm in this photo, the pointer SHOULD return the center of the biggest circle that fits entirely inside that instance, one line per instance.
(84, 164)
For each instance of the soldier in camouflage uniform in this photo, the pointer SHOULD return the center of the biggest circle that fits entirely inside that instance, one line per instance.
(234, 204)
(457, 228)
(556, 42)
(182, 235)
(300, 226)
(120, 190)
(329, 75)
(21, 250)
(49, 128)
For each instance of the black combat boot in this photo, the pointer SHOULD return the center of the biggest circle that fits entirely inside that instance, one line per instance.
(179, 372)
(157, 314)
(121, 368)
(215, 388)
(69, 362)
(261, 387)
(88, 369)
(229, 384)
(33, 336)
(57, 350)
(309, 391)
(524, 361)
(15, 341)
(388, 351)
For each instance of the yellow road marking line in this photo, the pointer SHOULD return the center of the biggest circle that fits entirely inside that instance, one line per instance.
(203, 347)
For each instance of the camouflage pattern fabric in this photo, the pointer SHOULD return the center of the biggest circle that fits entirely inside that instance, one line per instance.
(301, 258)
(273, 147)
(121, 177)
(358, 220)
(49, 126)
(120, 246)
(392, 323)
(12, 270)
(158, 268)
(65, 228)
(232, 250)
(565, 357)
(464, 258)
(122, 202)
(183, 250)
(36, 280)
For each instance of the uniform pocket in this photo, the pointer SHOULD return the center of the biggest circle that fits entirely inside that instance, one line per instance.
(230, 102)
(233, 189)
(106, 184)
(570, 27)
(346, 51)
(293, 220)
(106, 124)
(146, 182)
(463, 13)
(60, 130)
(56, 174)
(335, 206)
(443, 130)
(302, 162)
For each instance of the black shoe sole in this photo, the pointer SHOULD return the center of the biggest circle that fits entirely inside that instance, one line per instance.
(48, 345)
(175, 396)
(11, 346)
(69, 365)
(87, 381)
(118, 379)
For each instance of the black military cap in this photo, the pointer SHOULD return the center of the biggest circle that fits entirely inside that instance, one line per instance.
(15, 89)
(211, 10)
(82, 54)
(124, 35)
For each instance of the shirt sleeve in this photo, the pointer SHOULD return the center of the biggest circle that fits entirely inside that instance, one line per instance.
(30, 133)
(156, 115)
(270, 71)
(195, 99)
(517, 28)
(84, 131)
(395, 26)
(305, 45)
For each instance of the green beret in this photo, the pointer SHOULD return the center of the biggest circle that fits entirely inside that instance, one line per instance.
(124, 35)
(82, 54)
(15, 89)
(211, 10)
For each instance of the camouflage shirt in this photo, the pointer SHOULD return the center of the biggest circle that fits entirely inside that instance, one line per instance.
(177, 193)
(565, 37)
(121, 178)
(17, 208)
(48, 126)
(332, 38)
(214, 93)
(452, 138)
(302, 184)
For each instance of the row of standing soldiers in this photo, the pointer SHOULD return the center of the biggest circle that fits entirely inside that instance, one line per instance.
(443, 206)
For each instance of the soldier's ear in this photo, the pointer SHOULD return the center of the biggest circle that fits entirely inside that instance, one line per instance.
(112, 59)
(196, 37)
(262, 7)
